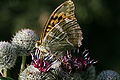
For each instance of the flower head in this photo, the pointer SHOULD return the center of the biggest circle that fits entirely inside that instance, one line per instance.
(39, 62)
(44, 63)
(32, 73)
(108, 75)
(41, 65)
(24, 41)
(7, 55)
(73, 63)
(30, 70)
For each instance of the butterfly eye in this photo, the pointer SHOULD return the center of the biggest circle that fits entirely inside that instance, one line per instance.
(37, 44)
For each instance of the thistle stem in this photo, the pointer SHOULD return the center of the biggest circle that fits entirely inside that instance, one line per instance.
(5, 73)
(23, 63)
(1, 73)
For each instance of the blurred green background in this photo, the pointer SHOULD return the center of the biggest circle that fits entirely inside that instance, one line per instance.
(99, 20)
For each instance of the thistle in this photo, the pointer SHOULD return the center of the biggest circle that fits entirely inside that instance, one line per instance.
(44, 64)
(74, 63)
(32, 73)
(7, 55)
(27, 72)
(24, 41)
(41, 65)
(41, 68)
(108, 75)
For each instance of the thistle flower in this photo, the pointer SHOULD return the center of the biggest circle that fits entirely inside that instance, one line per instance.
(24, 41)
(73, 63)
(108, 75)
(27, 72)
(7, 55)
(32, 73)
(41, 65)
(88, 74)
(44, 64)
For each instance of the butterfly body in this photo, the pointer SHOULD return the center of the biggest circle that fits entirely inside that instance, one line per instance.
(62, 31)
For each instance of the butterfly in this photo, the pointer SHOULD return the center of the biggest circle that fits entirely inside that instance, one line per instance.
(61, 32)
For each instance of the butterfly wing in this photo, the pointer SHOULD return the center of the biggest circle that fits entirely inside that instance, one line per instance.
(64, 32)
(65, 10)
(63, 36)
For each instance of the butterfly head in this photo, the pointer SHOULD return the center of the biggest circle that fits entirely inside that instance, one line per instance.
(37, 44)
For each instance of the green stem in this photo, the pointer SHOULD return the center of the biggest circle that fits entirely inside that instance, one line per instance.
(5, 73)
(1, 72)
(23, 63)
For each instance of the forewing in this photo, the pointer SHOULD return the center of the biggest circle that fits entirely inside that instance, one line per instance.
(62, 12)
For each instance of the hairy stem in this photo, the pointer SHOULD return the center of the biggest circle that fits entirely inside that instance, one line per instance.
(5, 72)
(1, 72)
(23, 63)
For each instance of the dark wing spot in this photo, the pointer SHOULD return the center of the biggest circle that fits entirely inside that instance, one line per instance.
(55, 17)
(60, 18)
(53, 24)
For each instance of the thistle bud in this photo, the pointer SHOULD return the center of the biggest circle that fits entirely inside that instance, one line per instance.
(7, 55)
(32, 73)
(24, 41)
(108, 75)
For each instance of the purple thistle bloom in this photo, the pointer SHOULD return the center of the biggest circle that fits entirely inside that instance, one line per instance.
(41, 65)
(73, 63)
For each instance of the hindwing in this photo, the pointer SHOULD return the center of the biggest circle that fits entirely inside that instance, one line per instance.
(63, 36)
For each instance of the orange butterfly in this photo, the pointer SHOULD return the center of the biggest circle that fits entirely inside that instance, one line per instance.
(61, 31)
